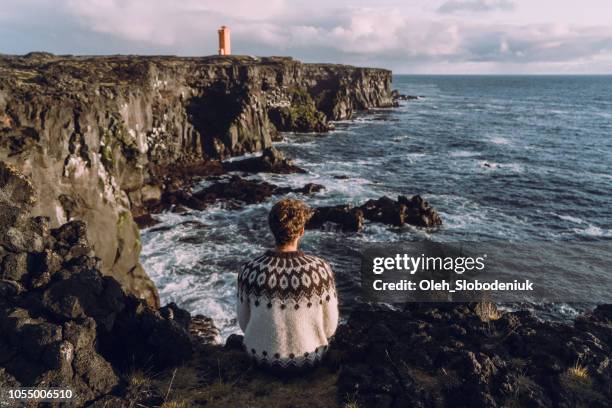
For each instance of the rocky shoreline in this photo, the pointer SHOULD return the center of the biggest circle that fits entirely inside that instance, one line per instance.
(77, 309)
(103, 137)
(63, 323)
(234, 191)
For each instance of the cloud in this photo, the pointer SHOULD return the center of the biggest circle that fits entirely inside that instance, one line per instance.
(374, 35)
(458, 6)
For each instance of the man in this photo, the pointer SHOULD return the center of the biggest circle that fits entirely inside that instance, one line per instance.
(287, 301)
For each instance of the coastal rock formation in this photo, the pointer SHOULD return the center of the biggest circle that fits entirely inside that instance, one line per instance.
(62, 323)
(348, 217)
(177, 194)
(300, 114)
(98, 136)
(413, 211)
(233, 191)
(397, 96)
(427, 355)
(450, 355)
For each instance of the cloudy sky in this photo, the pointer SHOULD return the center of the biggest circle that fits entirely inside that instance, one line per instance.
(408, 36)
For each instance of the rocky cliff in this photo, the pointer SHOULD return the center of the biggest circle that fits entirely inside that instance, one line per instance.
(97, 135)
(61, 322)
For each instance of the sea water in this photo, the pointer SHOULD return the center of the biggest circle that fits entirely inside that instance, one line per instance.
(502, 158)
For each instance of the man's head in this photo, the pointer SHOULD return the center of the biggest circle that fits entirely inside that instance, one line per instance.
(287, 220)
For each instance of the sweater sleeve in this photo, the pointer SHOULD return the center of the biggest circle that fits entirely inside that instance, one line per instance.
(243, 309)
(330, 308)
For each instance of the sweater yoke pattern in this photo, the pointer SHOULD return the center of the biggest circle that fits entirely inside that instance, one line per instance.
(295, 278)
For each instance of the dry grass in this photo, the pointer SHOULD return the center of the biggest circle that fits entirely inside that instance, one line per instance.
(578, 371)
(217, 390)
(576, 378)
(488, 312)
(139, 379)
(218, 378)
(350, 401)
(175, 404)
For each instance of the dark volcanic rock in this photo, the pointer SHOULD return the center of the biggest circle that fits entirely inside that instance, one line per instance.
(203, 330)
(145, 220)
(414, 211)
(401, 97)
(140, 336)
(62, 323)
(446, 356)
(16, 201)
(234, 191)
(236, 188)
(271, 160)
(350, 218)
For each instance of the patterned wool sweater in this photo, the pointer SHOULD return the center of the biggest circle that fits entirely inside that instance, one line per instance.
(287, 308)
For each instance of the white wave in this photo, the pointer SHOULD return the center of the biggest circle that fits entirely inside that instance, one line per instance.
(243, 156)
(414, 157)
(570, 218)
(593, 231)
(463, 153)
(606, 115)
(400, 138)
(499, 140)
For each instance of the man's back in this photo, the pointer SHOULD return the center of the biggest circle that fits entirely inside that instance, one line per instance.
(287, 308)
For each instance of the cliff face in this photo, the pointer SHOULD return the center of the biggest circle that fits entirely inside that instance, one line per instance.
(61, 321)
(95, 134)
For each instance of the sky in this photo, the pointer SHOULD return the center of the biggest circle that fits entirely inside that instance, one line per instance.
(407, 36)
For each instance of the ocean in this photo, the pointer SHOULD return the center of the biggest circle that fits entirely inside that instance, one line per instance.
(502, 158)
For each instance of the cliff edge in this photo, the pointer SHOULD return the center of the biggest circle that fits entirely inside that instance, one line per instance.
(97, 135)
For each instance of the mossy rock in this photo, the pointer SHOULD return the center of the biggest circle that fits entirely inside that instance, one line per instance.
(301, 116)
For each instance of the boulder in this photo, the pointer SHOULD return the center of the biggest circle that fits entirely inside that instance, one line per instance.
(141, 336)
(348, 217)
(413, 211)
(236, 188)
(14, 267)
(150, 194)
(203, 330)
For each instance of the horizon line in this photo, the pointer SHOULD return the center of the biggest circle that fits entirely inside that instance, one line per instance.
(505, 74)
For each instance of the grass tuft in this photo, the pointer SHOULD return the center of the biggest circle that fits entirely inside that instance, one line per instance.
(487, 311)
(578, 371)
(351, 401)
(174, 404)
(138, 379)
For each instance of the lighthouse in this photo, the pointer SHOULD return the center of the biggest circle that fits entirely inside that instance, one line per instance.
(224, 41)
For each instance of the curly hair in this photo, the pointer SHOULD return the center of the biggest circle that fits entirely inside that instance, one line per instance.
(287, 218)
